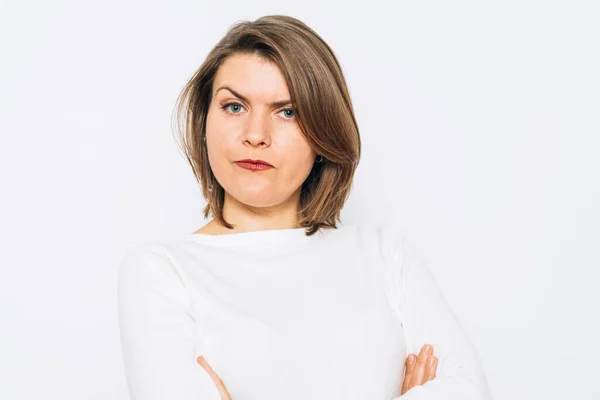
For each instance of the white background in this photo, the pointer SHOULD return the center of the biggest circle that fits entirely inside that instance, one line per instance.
(480, 131)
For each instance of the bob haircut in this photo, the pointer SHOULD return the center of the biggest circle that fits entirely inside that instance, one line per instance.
(321, 102)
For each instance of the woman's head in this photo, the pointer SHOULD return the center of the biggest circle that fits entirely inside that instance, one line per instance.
(272, 90)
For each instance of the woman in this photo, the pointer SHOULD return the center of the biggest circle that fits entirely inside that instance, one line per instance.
(272, 299)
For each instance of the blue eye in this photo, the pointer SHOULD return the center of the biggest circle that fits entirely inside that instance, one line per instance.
(235, 108)
(227, 109)
(289, 111)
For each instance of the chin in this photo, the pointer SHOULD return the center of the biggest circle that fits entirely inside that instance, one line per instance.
(257, 199)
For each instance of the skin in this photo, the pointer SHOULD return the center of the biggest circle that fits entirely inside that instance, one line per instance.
(418, 371)
(254, 128)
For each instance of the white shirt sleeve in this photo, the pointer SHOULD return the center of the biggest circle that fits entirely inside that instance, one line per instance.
(427, 318)
(158, 331)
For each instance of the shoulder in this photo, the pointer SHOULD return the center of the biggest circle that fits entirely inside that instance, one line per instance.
(151, 252)
(148, 262)
(386, 240)
(393, 243)
(150, 281)
(390, 237)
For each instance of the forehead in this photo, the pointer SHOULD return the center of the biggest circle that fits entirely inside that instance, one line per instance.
(251, 76)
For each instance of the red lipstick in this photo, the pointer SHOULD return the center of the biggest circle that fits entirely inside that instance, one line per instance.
(254, 165)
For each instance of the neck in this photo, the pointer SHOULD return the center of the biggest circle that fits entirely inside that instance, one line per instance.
(247, 218)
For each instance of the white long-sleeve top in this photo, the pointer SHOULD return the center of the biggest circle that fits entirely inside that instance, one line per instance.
(279, 315)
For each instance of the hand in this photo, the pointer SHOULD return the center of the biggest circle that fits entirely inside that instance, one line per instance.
(418, 369)
(417, 373)
(220, 385)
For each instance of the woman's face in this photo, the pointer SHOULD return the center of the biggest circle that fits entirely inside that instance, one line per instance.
(248, 125)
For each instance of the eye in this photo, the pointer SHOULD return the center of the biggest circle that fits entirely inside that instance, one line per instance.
(235, 107)
(289, 113)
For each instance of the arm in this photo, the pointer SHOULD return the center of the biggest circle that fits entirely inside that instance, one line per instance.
(158, 331)
(427, 318)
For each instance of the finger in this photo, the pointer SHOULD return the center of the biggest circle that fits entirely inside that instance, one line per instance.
(216, 379)
(220, 385)
(421, 364)
(410, 366)
(431, 368)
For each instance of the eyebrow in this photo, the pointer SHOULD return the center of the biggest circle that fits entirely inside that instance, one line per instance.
(279, 103)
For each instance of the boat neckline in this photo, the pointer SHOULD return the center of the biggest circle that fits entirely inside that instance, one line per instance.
(264, 236)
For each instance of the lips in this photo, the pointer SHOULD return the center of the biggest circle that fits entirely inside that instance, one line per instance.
(253, 165)
(259, 162)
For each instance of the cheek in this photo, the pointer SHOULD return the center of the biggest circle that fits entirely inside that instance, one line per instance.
(220, 131)
(214, 122)
(299, 154)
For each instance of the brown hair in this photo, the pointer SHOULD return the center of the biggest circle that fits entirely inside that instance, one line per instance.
(321, 102)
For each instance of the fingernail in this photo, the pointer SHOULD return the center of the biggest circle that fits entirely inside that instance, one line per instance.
(430, 362)
(411, 359)
(428, 349)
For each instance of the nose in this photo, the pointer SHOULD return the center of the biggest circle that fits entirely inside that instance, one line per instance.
(258, 130)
